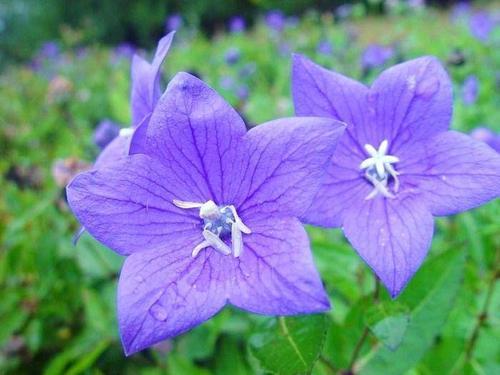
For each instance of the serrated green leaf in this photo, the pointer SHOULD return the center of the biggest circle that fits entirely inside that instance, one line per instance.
(289, 345)
(388, 322)
(431, 295)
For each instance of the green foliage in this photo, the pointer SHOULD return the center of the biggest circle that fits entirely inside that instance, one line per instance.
(57, 310)
(289, 345)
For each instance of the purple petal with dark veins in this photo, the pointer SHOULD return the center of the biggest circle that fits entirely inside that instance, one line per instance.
(275, 274)
(128, 205)
(391, 235)
(454, 172)
(165, 292)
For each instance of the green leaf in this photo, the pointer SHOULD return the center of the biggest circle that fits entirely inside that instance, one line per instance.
(388, 322)
(289, 345)
(431, 296)
(230, 359)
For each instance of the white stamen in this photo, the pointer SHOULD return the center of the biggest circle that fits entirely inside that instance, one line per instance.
(236, 239)
(126, 132)
(379, 168)
(215, 241)
(218, 221)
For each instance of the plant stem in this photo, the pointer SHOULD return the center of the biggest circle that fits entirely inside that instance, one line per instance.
(364, 335)
(483, 315)
(328, 364)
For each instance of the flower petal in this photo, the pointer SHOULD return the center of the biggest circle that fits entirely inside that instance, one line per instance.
(146, 81)
(411, 101)
(391, 235)
(455, 173)
(117, 149)
(287, 160)
(275, 274)
(162, 294)
(343, 185)
(197, 134)
(129, 207)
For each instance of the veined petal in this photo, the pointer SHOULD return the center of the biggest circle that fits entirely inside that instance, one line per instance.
(194, 129)
(165, 292)
(128, 205)
(391, 235)
(411, 102)
(286, 164)
(275, 274)
(319, 92)
(145, 90)
(454, 172)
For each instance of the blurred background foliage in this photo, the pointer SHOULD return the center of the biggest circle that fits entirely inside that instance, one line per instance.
(65, 69)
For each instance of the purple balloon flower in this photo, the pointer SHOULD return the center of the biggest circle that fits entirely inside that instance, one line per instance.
(324, 47)
(207, 214)
(232, 56)
(397, 166)
(105, 132)
(481, 24)
(487, 136)
(173, 22)
(275, 20)
(375, 55)
(144, 95)
(470, 90)
(237, 24)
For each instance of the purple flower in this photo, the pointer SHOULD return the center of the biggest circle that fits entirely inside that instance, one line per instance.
(237, 24)
(248, 70)
(49, 50)
(105, 132)
(144, 95)
(324, 47)
(207, 214)
(459, 11)
(487, 136)
(397, 166)
(481, 24)
(470, 90)
(124, 50)
(232, 55)
(275, 20)
(242, 92)
(173, 22)
(375, 55)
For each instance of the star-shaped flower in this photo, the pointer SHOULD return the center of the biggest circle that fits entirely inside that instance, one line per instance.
(144, 94)
(207, 214)
(385, 198)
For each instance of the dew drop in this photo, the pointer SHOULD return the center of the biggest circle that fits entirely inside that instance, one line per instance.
(411, 82)
(427, 87)
(158, 312)
(139, 279)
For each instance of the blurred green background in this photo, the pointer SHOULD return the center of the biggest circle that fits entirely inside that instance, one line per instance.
(65, 68)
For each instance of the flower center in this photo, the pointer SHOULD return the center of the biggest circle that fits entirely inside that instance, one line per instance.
(219, 223)
(378, 169)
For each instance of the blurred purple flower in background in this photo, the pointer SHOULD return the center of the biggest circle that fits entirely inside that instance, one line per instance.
(105, 132)
(324, 47)
(343, 11)
(49, 50)
(275, 20)
(227, 82)
(470, 90)
(375, 55)
(232, 56)
(242, 92)
(487, 136)
(460, 11)
(237, 24)
(248, 70)
(173, 22)
(481, 24)
(124, 50)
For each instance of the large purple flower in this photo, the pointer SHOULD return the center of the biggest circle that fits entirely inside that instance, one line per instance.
(145, 92)
(397, 165)
(207, 214)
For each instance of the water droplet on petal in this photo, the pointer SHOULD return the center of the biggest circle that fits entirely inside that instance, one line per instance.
(159, 312)
(427, 87)
(139, 279)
